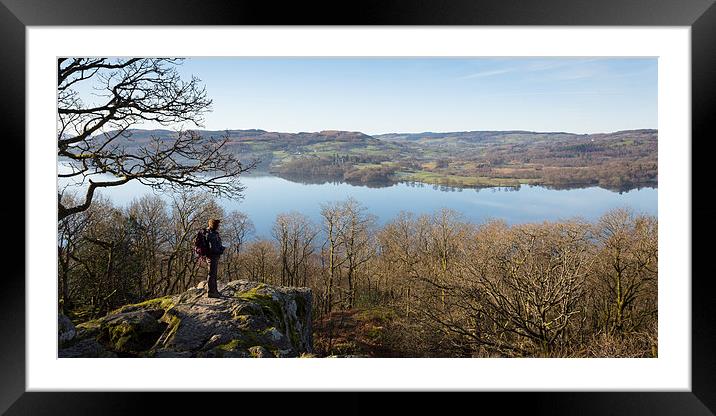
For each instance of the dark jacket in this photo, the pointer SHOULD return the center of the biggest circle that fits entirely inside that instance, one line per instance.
(214, 241)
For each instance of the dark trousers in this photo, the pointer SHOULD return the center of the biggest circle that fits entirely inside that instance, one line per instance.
(213, 263)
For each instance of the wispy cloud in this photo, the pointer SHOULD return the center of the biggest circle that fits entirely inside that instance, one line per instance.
(529, 93)
(556, 63)
(491, 73)
(558, 68)
(577, 73)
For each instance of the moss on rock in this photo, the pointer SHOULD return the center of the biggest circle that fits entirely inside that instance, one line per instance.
(230, 346)
(253, 315)
(131, 332)
(259, 351)
(88, 329)
(163, 303)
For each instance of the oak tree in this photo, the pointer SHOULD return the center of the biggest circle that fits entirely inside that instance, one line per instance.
(99, 99)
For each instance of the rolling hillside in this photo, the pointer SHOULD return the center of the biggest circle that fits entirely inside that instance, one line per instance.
(620, 161)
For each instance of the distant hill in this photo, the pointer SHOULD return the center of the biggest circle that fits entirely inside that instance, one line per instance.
(427, 138)
(238, 136)
(501, 137)
(471, 136)
(619, 160)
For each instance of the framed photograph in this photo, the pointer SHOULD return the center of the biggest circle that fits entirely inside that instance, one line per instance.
(428, 199)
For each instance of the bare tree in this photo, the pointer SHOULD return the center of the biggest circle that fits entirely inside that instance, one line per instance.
(447, 232)
(356, 237)
(400, 248)
(181, 268)
(626, 292)
(530, 282)
(93, 135)
(69, 242)
(294, 234)
(333, 227)
(237, 228)
(396, 255)
(261, 259)
(151, 215)
(108, 257)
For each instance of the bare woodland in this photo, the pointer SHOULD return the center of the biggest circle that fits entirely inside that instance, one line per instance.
(568, 288)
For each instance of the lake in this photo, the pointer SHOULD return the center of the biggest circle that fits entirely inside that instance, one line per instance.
(267, 196)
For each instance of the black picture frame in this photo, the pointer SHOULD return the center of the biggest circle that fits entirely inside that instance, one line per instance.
(699, 15)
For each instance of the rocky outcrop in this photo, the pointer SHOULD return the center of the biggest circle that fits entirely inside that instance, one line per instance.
(249, 320)
(65, 330)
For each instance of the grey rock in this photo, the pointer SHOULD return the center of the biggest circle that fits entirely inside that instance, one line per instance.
(348, 356)
(86, 348)
(132, 332)
(172, 354)
(259, 351)
(66, 330)
(249, 315)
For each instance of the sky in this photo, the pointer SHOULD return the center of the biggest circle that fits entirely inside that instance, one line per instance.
(412, 95)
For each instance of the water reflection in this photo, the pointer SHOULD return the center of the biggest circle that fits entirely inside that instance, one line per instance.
(267, 196)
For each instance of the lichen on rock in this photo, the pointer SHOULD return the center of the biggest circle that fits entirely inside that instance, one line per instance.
(250, 320)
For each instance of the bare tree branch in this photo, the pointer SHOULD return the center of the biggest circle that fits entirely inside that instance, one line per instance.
(95, 138)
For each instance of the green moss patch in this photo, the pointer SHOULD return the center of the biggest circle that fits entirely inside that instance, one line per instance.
(89, 329)
(133, 333)
(164, 303)
(269, 306)
(230, 346)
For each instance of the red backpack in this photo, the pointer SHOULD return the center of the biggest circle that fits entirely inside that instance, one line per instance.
(201, 244)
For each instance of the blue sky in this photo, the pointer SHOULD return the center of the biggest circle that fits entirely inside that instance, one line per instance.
(384, 95)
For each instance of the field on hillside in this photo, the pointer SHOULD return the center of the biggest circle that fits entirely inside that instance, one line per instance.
(618, 161)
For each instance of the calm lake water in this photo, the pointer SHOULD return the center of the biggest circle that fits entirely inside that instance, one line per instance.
(267, 196)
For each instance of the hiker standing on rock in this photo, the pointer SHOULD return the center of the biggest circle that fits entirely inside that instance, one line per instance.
(211, 249)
